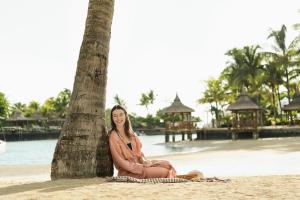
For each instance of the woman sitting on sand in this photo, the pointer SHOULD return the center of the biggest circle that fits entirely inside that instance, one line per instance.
(126, 152)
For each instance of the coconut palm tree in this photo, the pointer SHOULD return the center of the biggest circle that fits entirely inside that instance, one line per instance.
(48, 108)
(22, 107)
(234, 72)
(82, 149)
(215, 95)
(284, 55)
(147, 99)
(120, 101)
(61, 103)
(297, 25)
(32, 107)
(4, 106)
(272, 77)
(244, 69)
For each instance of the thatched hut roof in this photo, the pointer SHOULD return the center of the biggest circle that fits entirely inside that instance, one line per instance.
(177, 107)
(37, 116)
(18, 116)
(244, 103)
(293, 105)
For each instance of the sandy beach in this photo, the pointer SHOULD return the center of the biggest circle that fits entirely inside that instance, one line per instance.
(264, 187)
(258, 169)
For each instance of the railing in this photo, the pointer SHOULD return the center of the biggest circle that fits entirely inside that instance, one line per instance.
(243, 123)
(34, 128)
(183, 125)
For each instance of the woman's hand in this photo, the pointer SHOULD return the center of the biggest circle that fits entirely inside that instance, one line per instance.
(162, 163)
(147, 163)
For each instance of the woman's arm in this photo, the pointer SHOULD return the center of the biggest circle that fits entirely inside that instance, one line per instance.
(135, 168)
(146, 163)
(142, 158)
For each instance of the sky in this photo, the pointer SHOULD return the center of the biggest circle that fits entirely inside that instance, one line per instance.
(168, 46)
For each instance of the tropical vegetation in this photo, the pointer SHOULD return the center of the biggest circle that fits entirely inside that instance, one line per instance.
(269, 77)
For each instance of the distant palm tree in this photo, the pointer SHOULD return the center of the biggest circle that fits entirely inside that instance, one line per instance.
(82, 149)
(151, 96)
(18, 107)
(119, 101)
(32, 107)
(61, 103)
(244, 70)
(215, 95)
(272, 77)
(147, 99)
(48, 108)
(4, 106)
(284, 55)
(297, 25)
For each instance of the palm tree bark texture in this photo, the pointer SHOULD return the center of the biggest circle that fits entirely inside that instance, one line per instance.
(82, 149)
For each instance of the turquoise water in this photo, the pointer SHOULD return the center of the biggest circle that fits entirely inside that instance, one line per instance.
(28, 152)
(41, 151)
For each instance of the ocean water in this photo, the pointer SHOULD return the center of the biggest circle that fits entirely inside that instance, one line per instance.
(41, 151)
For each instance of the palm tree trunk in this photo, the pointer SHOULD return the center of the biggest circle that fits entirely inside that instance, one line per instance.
(278, 97)
(288, 85)
(82, 149)
(217, 115)
(274, 102)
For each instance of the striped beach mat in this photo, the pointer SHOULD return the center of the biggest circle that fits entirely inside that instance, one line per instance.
(129, 179)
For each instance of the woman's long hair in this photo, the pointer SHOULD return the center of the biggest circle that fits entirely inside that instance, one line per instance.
(127, 125)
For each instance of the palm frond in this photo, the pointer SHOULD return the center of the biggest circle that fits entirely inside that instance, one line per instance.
(270, 55)
(295, 43)
(296, 26)
(279, 37)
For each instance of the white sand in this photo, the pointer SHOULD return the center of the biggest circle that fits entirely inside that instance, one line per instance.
(261, 169)
(258, 188)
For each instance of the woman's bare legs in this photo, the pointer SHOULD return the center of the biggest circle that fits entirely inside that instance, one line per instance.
(156, 172)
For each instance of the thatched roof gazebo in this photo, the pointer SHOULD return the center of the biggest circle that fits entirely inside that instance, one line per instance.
(178, 108)
(38, 120)
(17, 119)
(246, 116)
(292, 106)
(185, 125)
(37, 116)
(16, 116)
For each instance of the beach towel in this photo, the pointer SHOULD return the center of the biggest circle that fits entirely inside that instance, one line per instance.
(129, 179)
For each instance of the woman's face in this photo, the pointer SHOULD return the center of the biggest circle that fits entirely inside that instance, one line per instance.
(119, 117)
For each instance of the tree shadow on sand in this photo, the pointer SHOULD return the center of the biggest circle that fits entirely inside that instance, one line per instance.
(51, 186)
